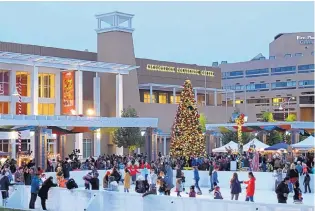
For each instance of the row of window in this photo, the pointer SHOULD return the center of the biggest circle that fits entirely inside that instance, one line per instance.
(46, 84)
(275, 85)
(275, 101)
(265, 71)
(43, 108)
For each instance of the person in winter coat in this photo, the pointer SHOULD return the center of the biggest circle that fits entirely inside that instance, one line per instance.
(142, 185)
(152, 180)
(297, 198)
(278, 177)
(27, 176)
(306, 183)
(211, 168)
(282, 191)
(178, 187)
(235, 186)
(4, 186)
(214, 176)
(59, 175)
(192, 192)
(95, 182)
(43, 191)
(34, 190)
(133, 173)
(250, 189)
(115, 173)
(19, 177)
(87, 179)
(66, 170)
(217, 193)
(197, 178)
(127, 181)
(293, 175)
(106, 179)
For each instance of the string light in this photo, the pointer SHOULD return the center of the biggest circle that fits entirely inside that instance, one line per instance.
(240, 122)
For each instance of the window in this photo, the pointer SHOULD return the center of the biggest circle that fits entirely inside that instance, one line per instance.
(272, 57)
(46, 85)
(177, 99)
(23, 80)
(146, 98)
(4, 145)
(239, 101)
(233, 74)
(257, 87)
(283, 70)
(276, 101)
(257, 72)
(284, 85)
(306, 84)
(298, 54)
(201, 99)
(4, 82)
(25, 108)
(25, 145)
(4, 107)
(163, 98)
(50, 146)
(306, 68)
(46, 109)
(287, 55)
(87, 148)
(257, 101)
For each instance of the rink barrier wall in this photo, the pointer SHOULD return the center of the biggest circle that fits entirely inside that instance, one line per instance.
(60, 199)
(264, 180)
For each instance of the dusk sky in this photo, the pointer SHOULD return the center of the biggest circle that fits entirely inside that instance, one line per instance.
(187, 32)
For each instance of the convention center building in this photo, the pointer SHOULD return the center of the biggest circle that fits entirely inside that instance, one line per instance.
(47, 81)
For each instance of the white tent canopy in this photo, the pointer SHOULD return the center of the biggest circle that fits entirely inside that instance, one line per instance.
(231, 144)
(260, 146)
(308, 143)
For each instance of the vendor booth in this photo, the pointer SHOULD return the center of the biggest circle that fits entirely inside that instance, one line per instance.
(308, 143)
(229, 146)
(259, 146)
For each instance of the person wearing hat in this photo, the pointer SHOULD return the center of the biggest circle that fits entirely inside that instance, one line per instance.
(43, 191)
(282, 191)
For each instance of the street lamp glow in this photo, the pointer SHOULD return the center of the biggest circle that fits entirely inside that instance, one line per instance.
(73, 112)
(280, 108)
(90, 112)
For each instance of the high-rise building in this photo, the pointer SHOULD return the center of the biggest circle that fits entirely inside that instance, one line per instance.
(281, 83)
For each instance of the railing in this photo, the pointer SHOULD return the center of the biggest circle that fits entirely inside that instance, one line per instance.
(83, 200)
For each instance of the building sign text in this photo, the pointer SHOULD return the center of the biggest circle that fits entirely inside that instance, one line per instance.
(179, 70)
(308, 40)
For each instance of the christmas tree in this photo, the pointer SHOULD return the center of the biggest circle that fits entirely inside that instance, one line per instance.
(187, 138)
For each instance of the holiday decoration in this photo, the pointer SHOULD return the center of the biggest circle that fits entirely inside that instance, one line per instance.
(240, 122)
(187, 138)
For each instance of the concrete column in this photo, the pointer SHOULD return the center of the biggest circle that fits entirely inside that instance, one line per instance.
(57, 93)
(12, 90)
(13, 146)
(196, 96)
(151, 93)
(119, 104)
(62, 146)
(164, 146)
(215, 98)
(174, 95)
(97, 110)
(233, 99)
(79, 108)
(32, 142)
(34, 91)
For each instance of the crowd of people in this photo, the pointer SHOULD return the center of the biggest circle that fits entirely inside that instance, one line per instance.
(156, 177)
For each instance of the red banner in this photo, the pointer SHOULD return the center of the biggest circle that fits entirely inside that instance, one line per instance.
(68, 98)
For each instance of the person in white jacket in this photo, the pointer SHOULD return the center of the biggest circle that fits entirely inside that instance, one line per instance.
(152, 179)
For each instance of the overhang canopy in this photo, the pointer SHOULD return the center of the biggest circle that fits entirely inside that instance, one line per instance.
(76, 121)
(64, 63)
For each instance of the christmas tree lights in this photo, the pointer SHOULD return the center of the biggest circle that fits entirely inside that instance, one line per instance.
(187, 138)
(240, 122)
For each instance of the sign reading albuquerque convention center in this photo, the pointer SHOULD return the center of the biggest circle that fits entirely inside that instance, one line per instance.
(179, 70)
(67, 92)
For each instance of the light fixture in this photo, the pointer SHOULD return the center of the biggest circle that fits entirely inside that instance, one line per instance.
(280, 107)
(73, 112)
(292, 98)
(15, 93)
(90, 112)
(245, 118)
(142, 133)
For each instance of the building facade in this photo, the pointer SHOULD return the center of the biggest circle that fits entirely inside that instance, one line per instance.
(153, 89)
(282, 83)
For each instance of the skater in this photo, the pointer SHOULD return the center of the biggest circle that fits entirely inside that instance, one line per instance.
(278, 177)
(306, 182)
(34, 190)
(127, 181)
(4, 186)
(179, 188)
(214, 177)
(95, 182)
(250, 189)
(211, 168)
(235, 186)
(152, 180)
(282, 191)
(197, 178)
(217, 193)
(87, 179)
(192, 192)
(297, 198)
(43, 191)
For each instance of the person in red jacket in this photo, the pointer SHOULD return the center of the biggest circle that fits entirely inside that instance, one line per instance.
(133, 169)
(145, 165)
(250, 189)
